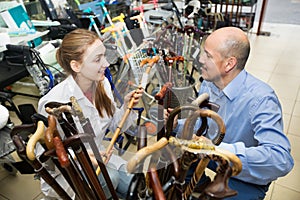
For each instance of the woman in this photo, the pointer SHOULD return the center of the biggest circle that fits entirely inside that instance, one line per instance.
(82, 56)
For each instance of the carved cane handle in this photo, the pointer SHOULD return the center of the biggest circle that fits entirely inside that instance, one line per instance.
(163, 91)
(61, 152)
(51, 132)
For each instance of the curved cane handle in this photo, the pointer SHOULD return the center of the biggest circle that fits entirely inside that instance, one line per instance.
(236, 164)
(163, 91)
(144, 152)
(190, 123)
(176, 111)
(201, 98)
(38, 135)
(51, 132)
(57, 111)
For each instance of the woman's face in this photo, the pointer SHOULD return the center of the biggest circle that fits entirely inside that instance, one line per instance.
(94, 62)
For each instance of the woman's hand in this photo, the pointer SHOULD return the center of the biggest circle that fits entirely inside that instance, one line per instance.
(105, 156)
(136, 94)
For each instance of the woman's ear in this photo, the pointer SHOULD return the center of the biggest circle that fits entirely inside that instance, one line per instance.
(230, 64)
(76, 67)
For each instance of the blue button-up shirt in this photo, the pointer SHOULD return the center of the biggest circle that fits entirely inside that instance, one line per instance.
(254, 127)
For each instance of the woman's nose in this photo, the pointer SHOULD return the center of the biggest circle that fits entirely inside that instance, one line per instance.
(105, 63)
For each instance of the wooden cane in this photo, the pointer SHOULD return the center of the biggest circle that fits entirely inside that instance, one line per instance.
(155, 184)
(190, 123)
(143, 83)
(144, 152)
(87, 127)
(37, 136)
(38, 167)
(208, 151)
(66, 164)
(79, 148)
(51, 132)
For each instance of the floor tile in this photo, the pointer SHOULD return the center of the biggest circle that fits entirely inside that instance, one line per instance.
(287, 106)
(270, 191)
(291, 181)
(294, 126)
(286, 122)
(20, 187)
(296, 110)
(280, 193)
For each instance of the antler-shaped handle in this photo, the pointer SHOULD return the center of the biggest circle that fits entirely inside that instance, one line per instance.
(37, 136)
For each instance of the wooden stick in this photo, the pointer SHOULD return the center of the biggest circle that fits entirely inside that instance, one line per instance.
(143, 83)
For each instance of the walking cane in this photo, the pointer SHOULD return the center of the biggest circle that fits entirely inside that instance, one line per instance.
(137, 187)
(79, 149)
(87, 127)
(143, 83)
(72, 173)
(38, 168)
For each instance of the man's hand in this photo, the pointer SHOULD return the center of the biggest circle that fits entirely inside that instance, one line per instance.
(166, 117)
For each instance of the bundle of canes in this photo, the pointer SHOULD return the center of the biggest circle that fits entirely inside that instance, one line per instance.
(77, 182)
(164, 173)
(69, 127)
(197, 147)
(38, 167)
(38, 136)
(143, 83)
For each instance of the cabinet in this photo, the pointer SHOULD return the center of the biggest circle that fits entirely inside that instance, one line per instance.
(238, 13)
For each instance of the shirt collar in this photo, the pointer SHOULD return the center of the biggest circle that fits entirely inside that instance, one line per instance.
(233, 88)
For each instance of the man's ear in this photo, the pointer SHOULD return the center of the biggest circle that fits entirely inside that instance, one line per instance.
(230, 64)
(76, 67)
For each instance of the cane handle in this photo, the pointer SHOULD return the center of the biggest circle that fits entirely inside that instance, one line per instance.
(50, 132)
(144, 152)
(38, 135)
(61, 152)
(201, 98)
(163, 91)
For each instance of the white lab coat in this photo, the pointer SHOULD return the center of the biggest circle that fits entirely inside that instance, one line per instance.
(62, 93)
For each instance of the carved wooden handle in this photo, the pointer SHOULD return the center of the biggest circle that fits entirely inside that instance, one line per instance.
(51, 132)
(38, 135)
(163, 91)
(61, 152)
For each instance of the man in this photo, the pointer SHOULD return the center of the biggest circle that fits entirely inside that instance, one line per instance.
(251, 112)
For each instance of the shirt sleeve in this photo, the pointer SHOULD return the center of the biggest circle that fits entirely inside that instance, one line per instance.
(271, 157)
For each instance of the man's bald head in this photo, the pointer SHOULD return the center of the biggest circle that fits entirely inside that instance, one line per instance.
(231, 41)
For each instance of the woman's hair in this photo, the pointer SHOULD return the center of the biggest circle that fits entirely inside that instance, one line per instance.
(73, 47)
